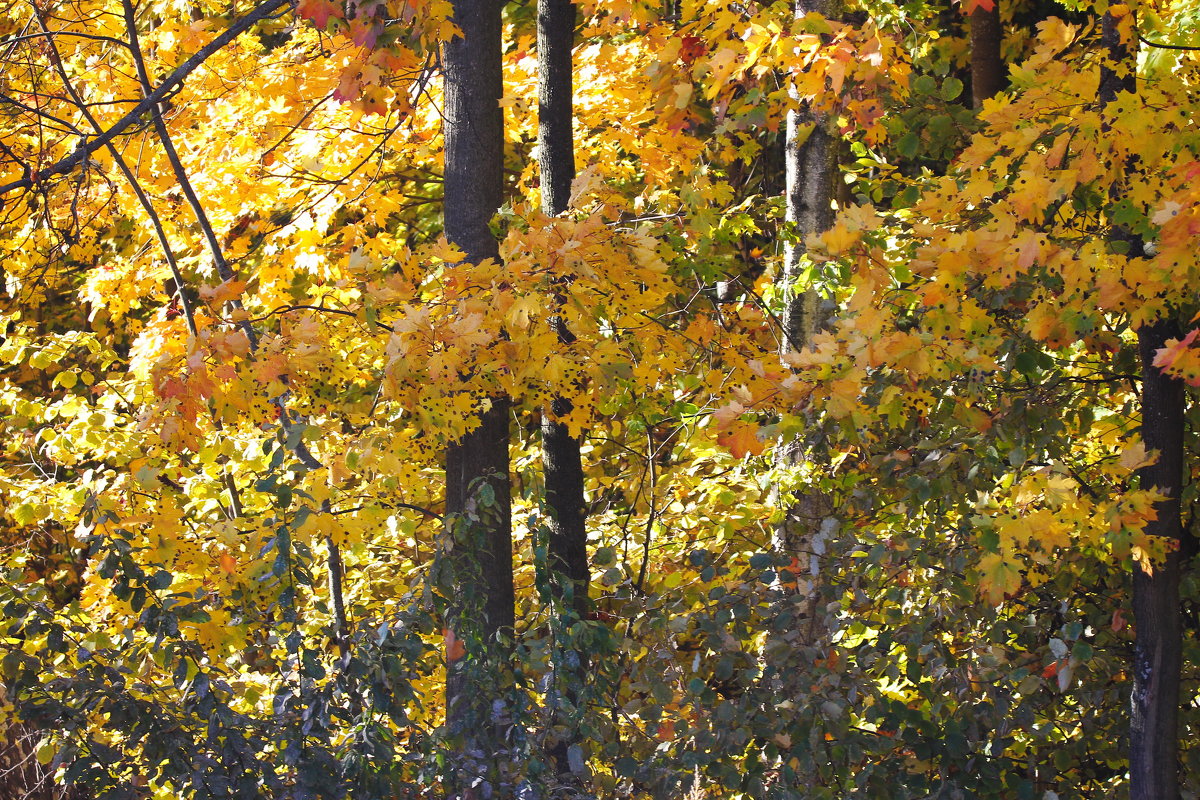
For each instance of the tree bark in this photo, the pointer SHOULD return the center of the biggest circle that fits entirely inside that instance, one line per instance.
(556, 161)
(482, 611)
(1158, 633)
(563, 465)
(811, 159)
(810, 186)
(556, 143)
(987, 67)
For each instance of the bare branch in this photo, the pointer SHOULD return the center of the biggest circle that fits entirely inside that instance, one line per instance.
(50, 35)
(1164, 45)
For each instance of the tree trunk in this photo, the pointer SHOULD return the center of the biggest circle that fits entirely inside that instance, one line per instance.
(567, 546)
(556, 143)
(478, 502)
(1158, 635)
(1158, 643)
(987, 67)
(811, 186)
(811, 172)
(556, 160)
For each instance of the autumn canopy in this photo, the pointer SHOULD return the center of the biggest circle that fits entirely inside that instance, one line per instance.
(611, 399)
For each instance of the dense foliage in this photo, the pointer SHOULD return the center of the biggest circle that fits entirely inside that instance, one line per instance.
(237, 344)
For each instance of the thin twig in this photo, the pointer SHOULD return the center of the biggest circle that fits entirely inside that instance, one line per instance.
(652, 512)
(1164, 45)
(337, 574)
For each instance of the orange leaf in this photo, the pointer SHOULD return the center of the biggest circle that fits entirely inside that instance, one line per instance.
(1164, 357)
(223, 292)
(741, 439)
(455, 649)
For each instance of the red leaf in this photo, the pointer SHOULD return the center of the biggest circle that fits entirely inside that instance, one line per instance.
(691, 49)
(969, 6)
(318, 11)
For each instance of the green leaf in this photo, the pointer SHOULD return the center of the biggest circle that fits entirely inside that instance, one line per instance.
(908, 144)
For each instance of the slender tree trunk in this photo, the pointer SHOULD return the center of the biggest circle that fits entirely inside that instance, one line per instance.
(1158, 633)
(1158, 644)
(811, 157)
(987, 67)
(567, 546)
(478, 502)
(564, 470)
(556, 142)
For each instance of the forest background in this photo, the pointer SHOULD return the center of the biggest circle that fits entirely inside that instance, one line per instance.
(409, 398)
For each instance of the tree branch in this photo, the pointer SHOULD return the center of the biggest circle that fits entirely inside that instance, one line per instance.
(168, 86)
(1163, 45)
(218, 256)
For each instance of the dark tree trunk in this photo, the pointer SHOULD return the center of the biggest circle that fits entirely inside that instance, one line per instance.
(567, 546)
(1158, 644)
(556, 144)
(564, 470)
(481, 559)
(1158, 634)
(987, 67)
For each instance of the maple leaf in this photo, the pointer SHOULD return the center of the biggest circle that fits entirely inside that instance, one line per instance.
(373, 101)
(1166, 358)
(691, 48)
(999, 578)
(447, 252)
(318, 12)
(455, 649)
(742, 439)
(222, 292)
(1135, 456)
(1166, 212)
(726, 414)
(969, 6)
(843, 397)
(349, 85)
(365, 32)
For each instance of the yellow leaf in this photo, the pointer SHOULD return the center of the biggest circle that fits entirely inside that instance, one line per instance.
(444, 251)
(1135, 456)
(999, 578)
